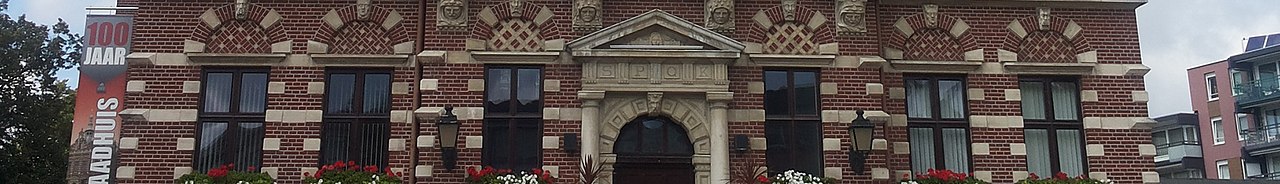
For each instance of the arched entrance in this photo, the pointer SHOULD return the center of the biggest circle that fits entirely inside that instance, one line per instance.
(653, 149)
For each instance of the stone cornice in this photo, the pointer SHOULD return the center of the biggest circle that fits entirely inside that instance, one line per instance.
(935, 66)
(642, 53)
(1049, 68)
(784, 60)
(235, 58)
(1108, 4)
(360, 59)
(498, 57)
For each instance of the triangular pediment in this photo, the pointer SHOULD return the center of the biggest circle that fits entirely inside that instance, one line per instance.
(656, 29)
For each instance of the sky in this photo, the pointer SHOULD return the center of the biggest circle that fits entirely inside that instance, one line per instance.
(1174, 35)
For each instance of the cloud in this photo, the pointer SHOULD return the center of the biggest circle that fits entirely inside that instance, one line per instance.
(1179, 34)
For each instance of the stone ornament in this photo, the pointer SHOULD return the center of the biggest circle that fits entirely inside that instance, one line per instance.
(851, 19)
(452, 14)
(516, 9)
(719, 15)
(655, 102)
(1043, 18)
(362, 9)
(789, 10)
(586, 15)
(931, 15)
(242, 9)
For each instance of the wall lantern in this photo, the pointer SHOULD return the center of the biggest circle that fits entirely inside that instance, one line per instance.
(448, 127)
(860, 131)
(571, 142)
(741, 143)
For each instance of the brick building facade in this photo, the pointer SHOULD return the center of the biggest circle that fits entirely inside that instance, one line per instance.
(788, 75)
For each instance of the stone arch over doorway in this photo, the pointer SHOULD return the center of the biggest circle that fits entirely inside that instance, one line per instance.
(689, 111)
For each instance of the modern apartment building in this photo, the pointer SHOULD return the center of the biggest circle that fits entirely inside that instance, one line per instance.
(660, 91)
(1178, 148)
(1213, 101)
(1256, 81)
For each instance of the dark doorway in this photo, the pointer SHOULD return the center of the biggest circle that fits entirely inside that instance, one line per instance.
(653, 149)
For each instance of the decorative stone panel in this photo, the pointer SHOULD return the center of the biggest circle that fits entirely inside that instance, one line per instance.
(688, 110)
(673, 74)
(355, 30)
(719, 16)
(586, 15)
(789, 29)
(1046, 38)
(932, 36)
(513, 26)
(451, 15)
(238, 28)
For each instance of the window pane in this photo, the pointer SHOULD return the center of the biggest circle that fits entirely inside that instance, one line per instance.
(806, 93)
(919, 100)
(1217, 131)
(1242, 126)
(1158, 138)
(1069, 152)
(809, 147)
(498, 90)
(651, 132)
(249, 145)
(957, 149)
(1176, 136)
(776, 93)
(529, 93)
(777, 155)
(377, 93)
(1065, 102)
(217, 92)
(921, 150)
(209, 154)
(951, 98)
(373, 148)
(1038, 157)
(628, 142)
(497, 150)
(335, 138)
(1211, 82)
(253, 92)
(341, 90)
(1032, 100)
(528, 151)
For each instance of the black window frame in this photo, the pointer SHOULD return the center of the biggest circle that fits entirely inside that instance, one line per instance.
(1051, 124)
(777, 164)
(513, 120)
(358, 117)
(232, 118)
(936, 122)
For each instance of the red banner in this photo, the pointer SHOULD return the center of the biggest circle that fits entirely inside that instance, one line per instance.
(100, 94)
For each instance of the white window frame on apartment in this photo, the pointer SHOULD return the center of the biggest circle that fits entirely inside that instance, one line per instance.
(1237, 76)
(1242, 125)
(1211, 85)
(1224, 171)
(1219, 137)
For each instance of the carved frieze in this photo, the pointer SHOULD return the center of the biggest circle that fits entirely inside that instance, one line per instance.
(452, 15)
(586, 15)
(851, 17)
(719, 15)
(1043, 18)
(644, 75)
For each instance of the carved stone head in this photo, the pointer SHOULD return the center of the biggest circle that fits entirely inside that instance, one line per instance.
(516, 7)
(655, 102)
(720, 15)
(362, 9)
(451, 9)
(587, 11)
(242, 9)
(851, 16)
(1043, 17)
(789, 9)
(931, 15)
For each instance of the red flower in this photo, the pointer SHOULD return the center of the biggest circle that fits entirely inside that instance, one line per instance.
(252, 168)
(762, 179)
(372, 169)
(1060, 176)
(339, 165)
(1033, 176)
(388, 170)
(351, 163)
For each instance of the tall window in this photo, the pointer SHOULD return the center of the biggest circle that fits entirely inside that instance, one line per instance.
(793, 125)
(356, 117)
(938, 122)
(1051, 113)
(1237, 77)
(513, 117)
(1219, 137)
(1242, 126)
(232, 108)
(1211, 85)
(1224, 171)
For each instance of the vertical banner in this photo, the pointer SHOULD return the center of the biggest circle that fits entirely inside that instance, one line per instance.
(100, 96)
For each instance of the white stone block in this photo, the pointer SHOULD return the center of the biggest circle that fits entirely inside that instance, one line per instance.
(1017, 149)
(833, 172)
(1019, 175)
(271, 144)
(898, 120)
(475, 142)
(429, 84)
(135, 86)
(129, 143)
(307, 171)
(1147, 150)
(1150, 177)
(880, 173)
(275, 88)
(759, 143)
(983, 175)
(901, 148)
(977, 94)
(315, 88)
(829, 88)
(395, 144)
(179, 171)
(190, 87)
(550, 142)
(830, 116)
(311, 145)
(1098, 175)
(1095, 150)
(551, 85)
(550, 113)
(1012, 95)
(1089, 95)
(475, 84)
(426, 141)
(422, 171)
(186, 144)
(830, 144)
(981, 149)
(571, 114)
(274, 172)
(125, 172)
(879, 144)
(875, 89)
(978, 121)
(1140, 96)
(897, 93)
(401, 88)
(554, 170)
(1092, 122)
(755, 87)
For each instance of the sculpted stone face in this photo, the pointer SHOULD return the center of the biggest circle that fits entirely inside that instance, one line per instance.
(587, 14)
(931, 15)
(242, 9)
(452, 10)
(852, 14)
(1042, 15)
(362, 9)
(720, 15)
(789, 8)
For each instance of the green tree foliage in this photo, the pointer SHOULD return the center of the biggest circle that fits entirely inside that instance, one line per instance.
(35, 107)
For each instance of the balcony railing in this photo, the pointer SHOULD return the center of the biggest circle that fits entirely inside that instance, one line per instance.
(1257, 91)
(1175, 151)
(1262, 135)
(1267, 176)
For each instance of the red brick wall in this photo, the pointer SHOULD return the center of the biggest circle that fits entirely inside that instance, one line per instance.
(162, 27)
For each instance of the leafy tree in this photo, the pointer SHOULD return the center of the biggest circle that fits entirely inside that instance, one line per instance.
(35, 107)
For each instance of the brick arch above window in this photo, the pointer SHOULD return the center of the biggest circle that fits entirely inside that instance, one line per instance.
(1061, 41)
(807, 33)
(948, 39)
(524, 27)
(219, 31)
(344, 32)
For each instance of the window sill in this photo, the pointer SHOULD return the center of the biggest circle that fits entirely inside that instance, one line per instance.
(360, 59)
(235, 58)
(935, 66)
(1049, 68)
(787, 60)
(497, 57)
